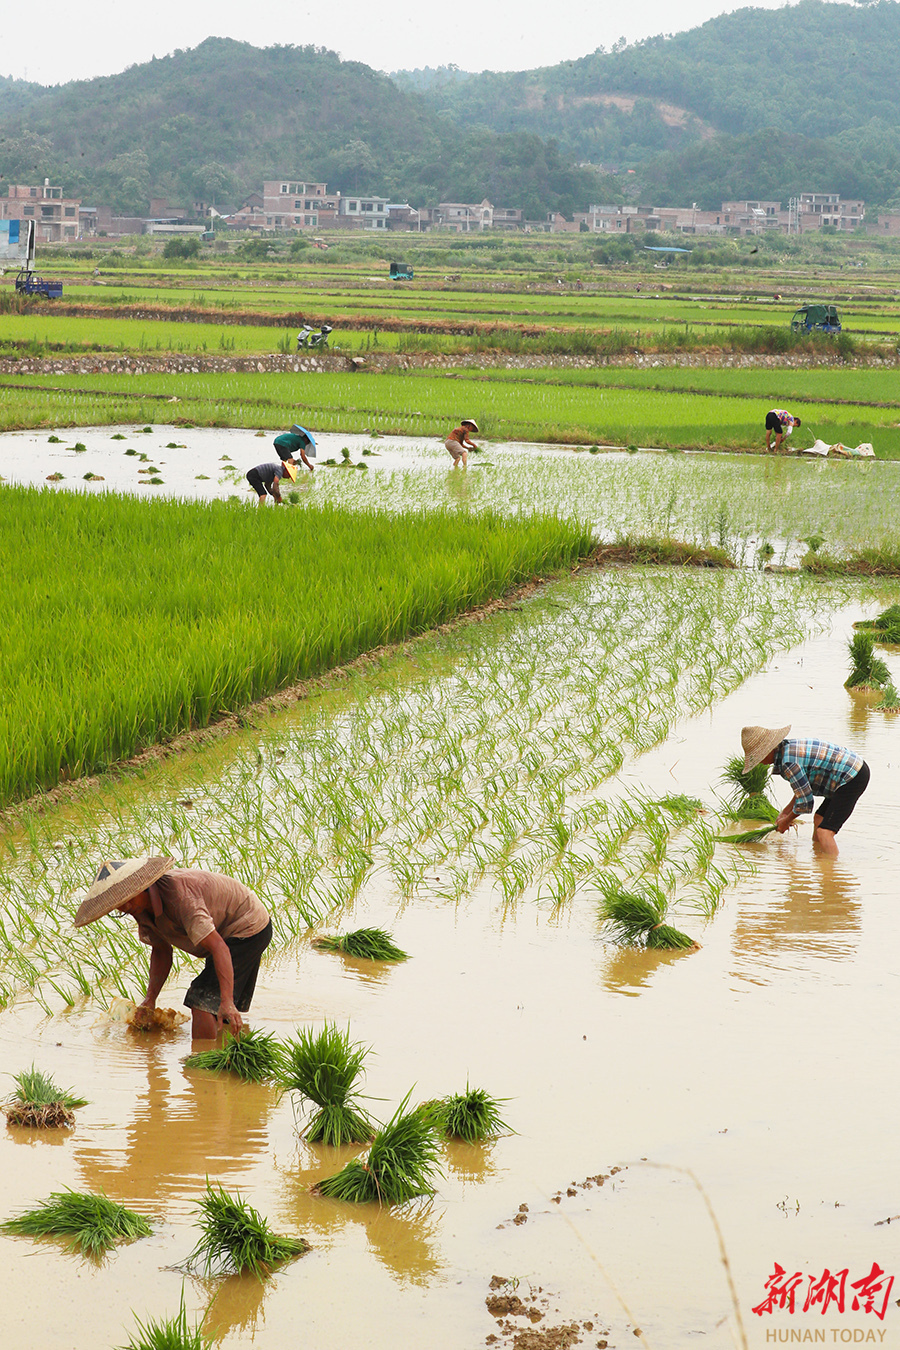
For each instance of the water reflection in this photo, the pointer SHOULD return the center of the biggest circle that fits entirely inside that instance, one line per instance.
(403, 1240)
(628, 970)
(185, 1126)
(810, 907)
(236, 1304)
(470, 1163)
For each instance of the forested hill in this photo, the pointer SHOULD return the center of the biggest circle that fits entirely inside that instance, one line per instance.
(823, 75)
(212, 123)
(814, 68)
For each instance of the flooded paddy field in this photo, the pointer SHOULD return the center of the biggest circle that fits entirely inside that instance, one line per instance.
(682, 1121)
(738, 503)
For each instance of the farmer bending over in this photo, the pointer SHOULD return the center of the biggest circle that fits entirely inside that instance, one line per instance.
(811, 767)
(459, 443)
(266, 478)
(296, 441)
(782, 423)
(204, 913)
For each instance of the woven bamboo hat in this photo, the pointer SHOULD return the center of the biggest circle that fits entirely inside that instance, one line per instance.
(469, 422)
(117, 880)
(756, 743)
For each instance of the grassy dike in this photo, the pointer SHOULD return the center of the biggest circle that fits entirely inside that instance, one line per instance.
(126, 622)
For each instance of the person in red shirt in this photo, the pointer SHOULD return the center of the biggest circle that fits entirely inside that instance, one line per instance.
(203, 913)
(459, 443)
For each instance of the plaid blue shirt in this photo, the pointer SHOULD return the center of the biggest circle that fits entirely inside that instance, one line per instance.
(814, 767)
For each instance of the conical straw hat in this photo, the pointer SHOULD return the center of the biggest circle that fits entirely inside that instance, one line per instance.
(756, 743)
(117, 880)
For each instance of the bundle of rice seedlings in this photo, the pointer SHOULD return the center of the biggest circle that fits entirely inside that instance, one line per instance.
(236, 1239)
(636, 920)
(886, 627)
(324, 1067)
(171, 1333)
(39, 1103)
(253, 1056)
(370, 944)
(93, 1224)
(746, 836)
(399, 1166)
(749, 800)
(471, 1116)
(868, 671)
(890, 699)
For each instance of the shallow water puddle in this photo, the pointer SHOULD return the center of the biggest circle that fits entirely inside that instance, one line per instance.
(754, 1077)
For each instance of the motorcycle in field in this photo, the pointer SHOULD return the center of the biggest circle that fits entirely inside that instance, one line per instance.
(313, 337)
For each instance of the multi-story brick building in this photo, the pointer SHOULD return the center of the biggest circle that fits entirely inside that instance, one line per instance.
(55, 216)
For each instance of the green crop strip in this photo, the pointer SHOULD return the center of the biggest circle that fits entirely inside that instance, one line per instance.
(484, 757)
(626, 408)
(149, 618)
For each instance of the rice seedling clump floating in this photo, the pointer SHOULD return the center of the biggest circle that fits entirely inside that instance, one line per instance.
(746, 836)
(749, 800)
(92, 1224)
(254, 1056)
(470, 1116)
(637, 920)
(867, 671)
(369, 944)
(38, 1102)
(400, 1165)
(236, 1239)
(172, 1333)
(886, 627)
(324, 1067)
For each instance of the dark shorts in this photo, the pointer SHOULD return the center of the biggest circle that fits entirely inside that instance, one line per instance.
(257, 484)
(773, 423)
(838, 808)
(245, 955)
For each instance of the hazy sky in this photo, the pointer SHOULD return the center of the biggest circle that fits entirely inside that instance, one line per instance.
(70, 42)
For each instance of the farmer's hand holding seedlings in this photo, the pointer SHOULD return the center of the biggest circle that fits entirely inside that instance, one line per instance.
(204, 913)
(812, 768)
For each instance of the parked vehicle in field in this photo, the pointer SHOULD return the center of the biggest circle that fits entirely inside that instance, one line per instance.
(313, 337)
(816, 319)
(28, 283)
(401, 272)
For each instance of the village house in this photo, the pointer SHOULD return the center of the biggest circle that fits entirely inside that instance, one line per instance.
(55, 216)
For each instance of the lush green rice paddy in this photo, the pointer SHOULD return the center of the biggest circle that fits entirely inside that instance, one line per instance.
(127, 621)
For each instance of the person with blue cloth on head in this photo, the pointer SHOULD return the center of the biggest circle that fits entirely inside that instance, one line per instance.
(296, 441)
(813, 768)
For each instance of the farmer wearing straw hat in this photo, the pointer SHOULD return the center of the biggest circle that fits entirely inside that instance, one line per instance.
(813, 768)
(203, 913)
(265, 480)
(296, 441)
(459, 442)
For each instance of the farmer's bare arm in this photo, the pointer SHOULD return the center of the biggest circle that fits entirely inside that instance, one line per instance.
(305, 460)
(786, 817)
(160, 965)
(221, 958)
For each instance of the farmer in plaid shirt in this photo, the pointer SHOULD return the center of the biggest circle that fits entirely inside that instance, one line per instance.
(813, 768)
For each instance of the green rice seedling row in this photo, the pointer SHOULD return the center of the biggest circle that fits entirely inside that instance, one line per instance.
(473, 765)
(210, 606)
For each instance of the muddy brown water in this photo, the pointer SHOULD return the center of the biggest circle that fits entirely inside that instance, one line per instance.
(745, 1092)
